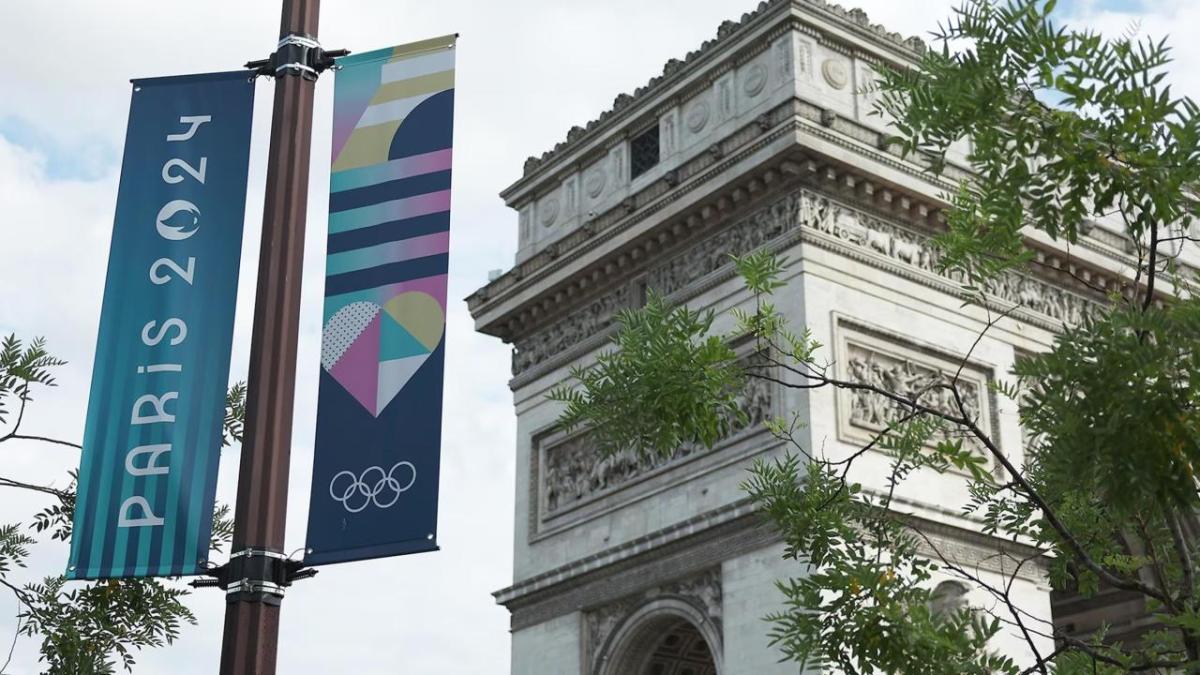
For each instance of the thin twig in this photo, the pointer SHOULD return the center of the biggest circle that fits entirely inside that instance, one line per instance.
(16, 635)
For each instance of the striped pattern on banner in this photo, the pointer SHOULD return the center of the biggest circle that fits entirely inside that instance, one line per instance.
(152, 440)
(379, 405)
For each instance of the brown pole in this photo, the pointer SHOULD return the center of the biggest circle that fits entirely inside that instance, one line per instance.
(252, 619)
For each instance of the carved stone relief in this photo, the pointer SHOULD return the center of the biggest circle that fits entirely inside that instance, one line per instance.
(569, 331)
(703, 591)
(666, 133)
(870, 235)
(892, 363)
(756, 80)
(571, 195)
(804, 59)
(697, 116)
(594, 181)
(906, 377)
(524, 218)
(948, 598)
(835, 72)
(617, 155)
(784, 59)
(725, 96)
(575, 470)
(868, 87)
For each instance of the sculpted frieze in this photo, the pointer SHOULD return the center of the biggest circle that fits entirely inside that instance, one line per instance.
(908, 378)
(833, 222)
(569, 331)
(575, 470)
(913, 373)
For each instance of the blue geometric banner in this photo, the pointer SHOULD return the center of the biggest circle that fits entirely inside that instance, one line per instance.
(152, 439)
(379, 406)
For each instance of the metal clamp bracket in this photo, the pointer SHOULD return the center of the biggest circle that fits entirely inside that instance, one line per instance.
(298, 55)
(256, 575)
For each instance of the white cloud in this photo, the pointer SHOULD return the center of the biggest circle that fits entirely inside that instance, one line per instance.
(528, 71)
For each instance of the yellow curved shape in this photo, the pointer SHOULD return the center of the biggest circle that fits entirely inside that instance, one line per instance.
(420, 315)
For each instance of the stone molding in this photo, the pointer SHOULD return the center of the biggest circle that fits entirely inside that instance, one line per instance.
(855, 184)
(676, 70)
(706, 540)
(791, 117)
(798, 215)
(656, 556)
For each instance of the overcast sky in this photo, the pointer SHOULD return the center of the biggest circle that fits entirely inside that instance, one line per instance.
(527, 71)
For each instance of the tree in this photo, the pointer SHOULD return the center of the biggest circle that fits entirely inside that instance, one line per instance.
(1066, 127)
(86, 629)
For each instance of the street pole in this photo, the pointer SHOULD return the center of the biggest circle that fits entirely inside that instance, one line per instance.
(255, 590)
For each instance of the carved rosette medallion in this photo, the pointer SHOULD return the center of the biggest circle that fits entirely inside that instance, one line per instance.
(702, 591)
(697, 116)
(835, 72)
(756, 80)
(594, 182)
(548, 212)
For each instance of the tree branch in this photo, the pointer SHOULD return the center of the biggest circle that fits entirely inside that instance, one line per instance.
(42, 439)
(8, 482)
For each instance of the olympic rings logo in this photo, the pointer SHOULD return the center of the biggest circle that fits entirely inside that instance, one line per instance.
(374, 486)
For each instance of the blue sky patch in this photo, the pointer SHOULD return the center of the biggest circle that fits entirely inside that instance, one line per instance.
(66, 159)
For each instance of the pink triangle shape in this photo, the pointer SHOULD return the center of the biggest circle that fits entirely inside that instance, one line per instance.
(358, 369)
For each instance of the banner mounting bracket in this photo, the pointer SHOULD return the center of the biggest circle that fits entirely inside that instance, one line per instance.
(255, 575)
(298, 55)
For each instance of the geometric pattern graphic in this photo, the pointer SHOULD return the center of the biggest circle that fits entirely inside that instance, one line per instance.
(389, 220)
(373, 350)
(377, 448)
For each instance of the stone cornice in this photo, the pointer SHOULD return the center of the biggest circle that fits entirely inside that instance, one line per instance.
(616, 554)
(888, 233)
(856, 182)
(625, 107)
(705, 540)
(702, 172)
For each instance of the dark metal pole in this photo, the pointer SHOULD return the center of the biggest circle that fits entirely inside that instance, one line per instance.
(252, 618)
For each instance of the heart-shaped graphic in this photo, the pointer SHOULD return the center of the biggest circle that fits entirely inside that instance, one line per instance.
(373, 351)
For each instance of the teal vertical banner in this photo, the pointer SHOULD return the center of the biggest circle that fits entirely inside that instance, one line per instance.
(152, 440)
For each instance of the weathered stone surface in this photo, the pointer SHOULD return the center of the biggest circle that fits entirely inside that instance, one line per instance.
(897, 244)
(576, 470)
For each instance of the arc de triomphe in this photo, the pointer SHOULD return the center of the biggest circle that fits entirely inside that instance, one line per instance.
(760, 138)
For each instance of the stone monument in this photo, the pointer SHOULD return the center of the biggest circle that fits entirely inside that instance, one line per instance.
(761, 138)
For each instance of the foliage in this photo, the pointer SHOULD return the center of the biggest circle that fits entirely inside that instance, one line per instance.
(21, 367)
(1061, 128)
(863, 604)
(1063, 125)
(666, 384)
(95, 627)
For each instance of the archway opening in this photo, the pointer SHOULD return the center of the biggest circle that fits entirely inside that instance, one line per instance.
(679, 650)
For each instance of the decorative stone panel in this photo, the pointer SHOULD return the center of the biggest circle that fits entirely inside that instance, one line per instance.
(572, 471)
(913, 371)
